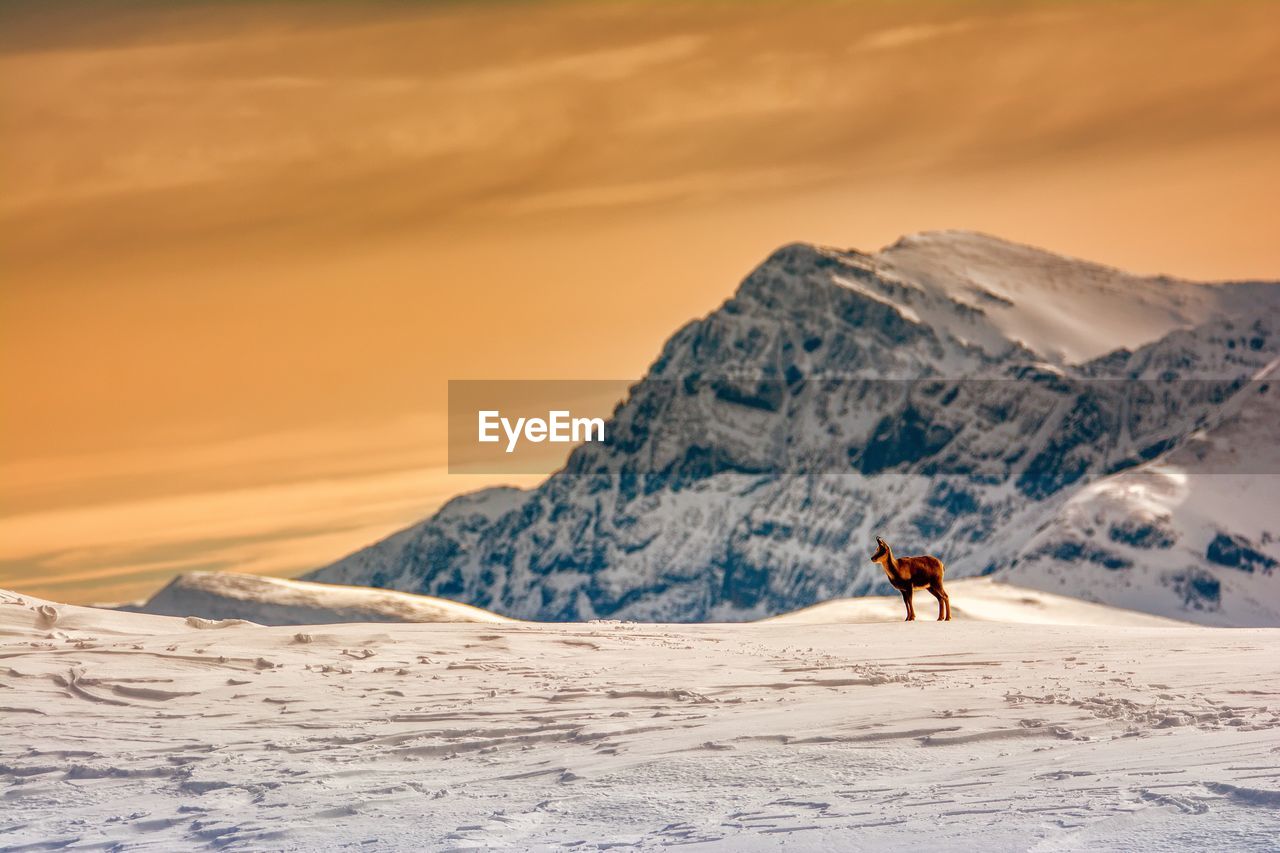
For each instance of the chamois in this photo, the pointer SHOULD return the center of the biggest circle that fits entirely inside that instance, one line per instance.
(908, 573)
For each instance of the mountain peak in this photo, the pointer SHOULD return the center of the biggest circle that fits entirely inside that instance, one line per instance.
(1066, 310)
(994, 294)
(986, 249)
(946, 236)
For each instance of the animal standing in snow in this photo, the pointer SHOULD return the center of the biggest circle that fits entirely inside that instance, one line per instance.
(908, 573)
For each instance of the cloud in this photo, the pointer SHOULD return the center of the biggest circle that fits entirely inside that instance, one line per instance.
(894, 37)
(275, 214)
(295, 500)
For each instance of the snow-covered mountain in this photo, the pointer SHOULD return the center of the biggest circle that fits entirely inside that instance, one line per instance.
(951, 393)
(1193, 534)
(277, 601)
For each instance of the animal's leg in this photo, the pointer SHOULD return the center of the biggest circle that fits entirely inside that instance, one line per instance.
(938, 594)
(945, 599)
(906, 598)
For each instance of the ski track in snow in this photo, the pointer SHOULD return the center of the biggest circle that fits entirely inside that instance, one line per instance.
(123, 731)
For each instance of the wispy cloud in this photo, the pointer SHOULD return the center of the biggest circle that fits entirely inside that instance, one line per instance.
(893, 37)
(318, 495)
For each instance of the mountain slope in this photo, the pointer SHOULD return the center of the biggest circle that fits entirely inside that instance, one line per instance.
(1192, 535)
(276, 601)
(930, 393)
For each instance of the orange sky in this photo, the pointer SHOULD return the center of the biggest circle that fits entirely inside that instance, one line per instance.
(244, 246)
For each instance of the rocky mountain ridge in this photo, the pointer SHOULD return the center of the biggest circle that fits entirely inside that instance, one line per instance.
(951, 392)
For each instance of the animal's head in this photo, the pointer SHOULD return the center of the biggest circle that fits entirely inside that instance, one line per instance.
(882, 551)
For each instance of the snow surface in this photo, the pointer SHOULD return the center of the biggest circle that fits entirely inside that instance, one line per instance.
(130, 731)
(277, 601)
(218, 596)
(976, 600)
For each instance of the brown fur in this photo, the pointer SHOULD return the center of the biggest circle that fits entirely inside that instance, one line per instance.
(908, 573)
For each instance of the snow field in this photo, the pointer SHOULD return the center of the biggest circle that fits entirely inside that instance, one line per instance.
(127, 731)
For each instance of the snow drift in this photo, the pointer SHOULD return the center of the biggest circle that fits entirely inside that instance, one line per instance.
(277, 601)
(976, 600)
(274, 601)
